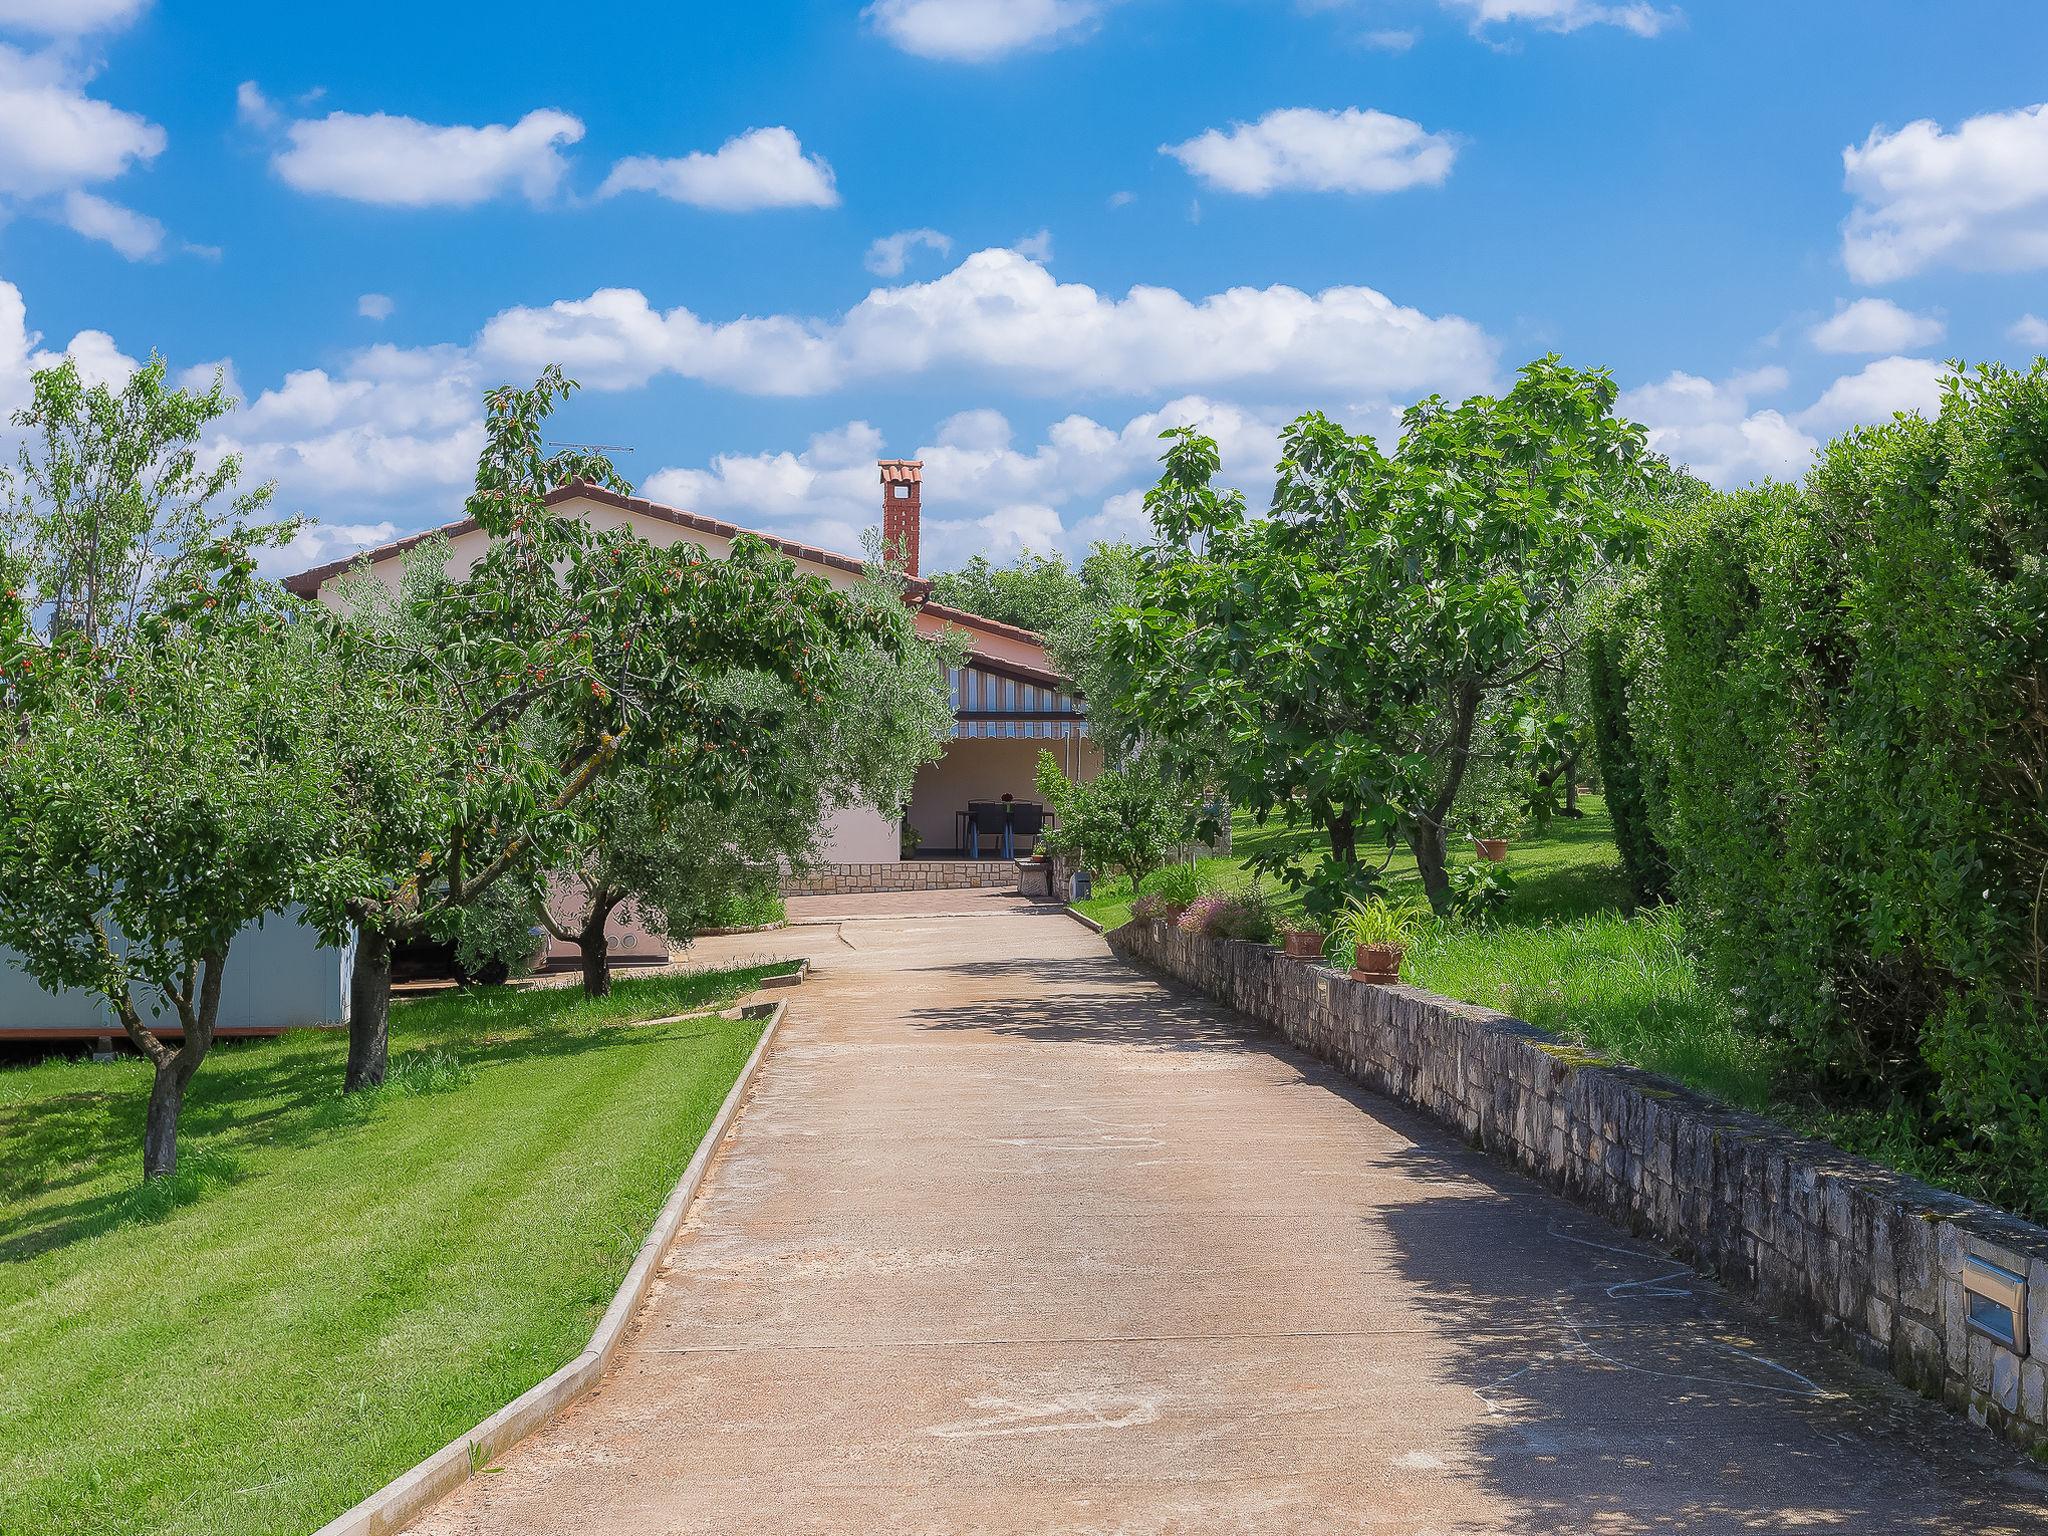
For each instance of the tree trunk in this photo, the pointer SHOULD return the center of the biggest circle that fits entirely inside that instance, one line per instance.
(1571, 787)
(369, 1010)
(1431, 857)
(175, 1069)
(1343, 840)
(160, 1127)
(597, 952)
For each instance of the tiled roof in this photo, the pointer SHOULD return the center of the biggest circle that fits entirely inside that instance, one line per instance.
(308, 583)
(902, 471)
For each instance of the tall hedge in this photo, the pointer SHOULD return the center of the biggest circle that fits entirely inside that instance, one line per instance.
(1854, 707)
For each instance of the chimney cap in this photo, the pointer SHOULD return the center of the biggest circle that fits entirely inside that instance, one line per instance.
(901, 471)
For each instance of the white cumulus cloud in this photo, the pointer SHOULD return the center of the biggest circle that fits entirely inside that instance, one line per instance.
(1301, 149)
(976, 31)
(2030, 331)
(401, 162)
(375, 306)
(1975, 198)
(984, 494)
(1001, 316)
(54, 137)
(135, 235)
(1716, 429)
(889, 255)
(1875, 394)
(1644, 20)
(761, 168)
(1709, 427)
(68, 18)
(1876, 325)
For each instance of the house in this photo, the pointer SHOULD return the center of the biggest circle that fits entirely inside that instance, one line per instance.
(1008, 702)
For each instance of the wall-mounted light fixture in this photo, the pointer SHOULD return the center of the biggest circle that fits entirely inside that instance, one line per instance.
(1998, 1302)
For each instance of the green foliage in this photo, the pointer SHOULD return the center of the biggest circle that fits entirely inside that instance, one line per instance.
(1480, 890)
(687, 837)
(1124, 820)
(1375, 920)
(565, 654)
(1850, 701)
(167, 780)
(1619, 676)
(108, 504)
(496, 933)
(746, 905)
(1036, 593)
(1626, 988)
(1178, 884)
(1329, 664)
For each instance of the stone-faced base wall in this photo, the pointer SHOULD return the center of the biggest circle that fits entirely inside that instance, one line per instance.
(910, 875)
(1869, 1256)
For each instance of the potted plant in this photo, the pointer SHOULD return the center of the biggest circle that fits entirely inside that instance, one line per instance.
(1493, 849)
(1167, 893)
(1302, 941)
(1379, 935)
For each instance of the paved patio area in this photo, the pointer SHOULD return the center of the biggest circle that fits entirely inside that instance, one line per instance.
(1012, 1238)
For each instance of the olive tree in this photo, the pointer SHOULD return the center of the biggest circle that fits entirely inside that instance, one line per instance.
(672, 836)
(1331, 662)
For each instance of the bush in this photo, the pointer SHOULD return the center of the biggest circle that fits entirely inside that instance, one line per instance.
(1124, 820)
(1235, 915)
(1854, 708)
(749, 904)
(1619, 679)
(1179, 884)
(496, 935)
(1479, 890)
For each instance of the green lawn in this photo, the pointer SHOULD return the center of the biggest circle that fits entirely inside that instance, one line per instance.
(1563, 954)
(331, 1288)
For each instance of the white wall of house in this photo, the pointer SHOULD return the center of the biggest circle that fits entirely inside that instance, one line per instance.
(860, 834)
(279, 976)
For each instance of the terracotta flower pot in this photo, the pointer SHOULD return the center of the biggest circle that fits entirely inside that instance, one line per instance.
(1493, 849)
(1378, 963)
(1304, 946)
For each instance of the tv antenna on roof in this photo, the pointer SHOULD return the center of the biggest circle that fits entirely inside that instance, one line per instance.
(594, 447)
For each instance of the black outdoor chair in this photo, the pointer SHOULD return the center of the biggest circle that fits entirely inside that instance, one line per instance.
(985, 818)
(1027, 822)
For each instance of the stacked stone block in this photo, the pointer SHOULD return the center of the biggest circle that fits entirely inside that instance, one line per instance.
(910, 875)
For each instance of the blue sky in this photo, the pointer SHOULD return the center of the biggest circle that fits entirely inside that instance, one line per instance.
(1770, 220)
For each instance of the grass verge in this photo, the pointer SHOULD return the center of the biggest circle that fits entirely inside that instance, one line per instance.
(331, 1287)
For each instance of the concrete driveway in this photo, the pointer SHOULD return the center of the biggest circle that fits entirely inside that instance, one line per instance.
(1013, 1238)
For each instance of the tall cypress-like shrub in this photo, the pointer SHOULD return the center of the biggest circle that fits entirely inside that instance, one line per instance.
(1631, 762)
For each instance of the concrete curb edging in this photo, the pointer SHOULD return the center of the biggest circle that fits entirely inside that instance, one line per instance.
(1083, 919)
(402, 1500)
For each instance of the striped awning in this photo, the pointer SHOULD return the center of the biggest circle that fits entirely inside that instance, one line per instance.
(987, 704)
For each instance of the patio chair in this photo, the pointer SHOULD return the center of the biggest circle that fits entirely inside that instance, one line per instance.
(1027, 822)
(985, 818)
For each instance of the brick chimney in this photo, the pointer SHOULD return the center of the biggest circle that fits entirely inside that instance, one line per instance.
(902, 487)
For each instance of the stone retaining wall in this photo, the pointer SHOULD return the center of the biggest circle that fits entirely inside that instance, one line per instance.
(910, 875)
(1868, 1256)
